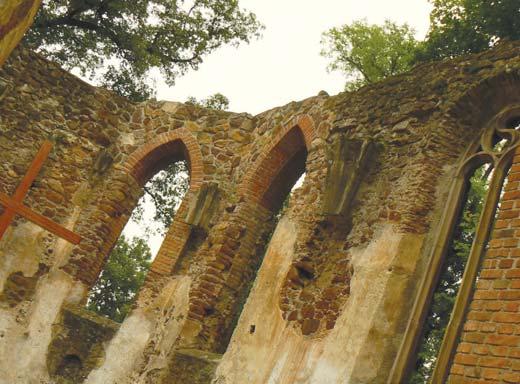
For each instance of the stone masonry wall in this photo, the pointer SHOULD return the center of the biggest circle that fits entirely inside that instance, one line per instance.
(241, 169)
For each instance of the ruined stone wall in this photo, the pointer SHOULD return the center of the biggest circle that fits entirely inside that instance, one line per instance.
(378, 165)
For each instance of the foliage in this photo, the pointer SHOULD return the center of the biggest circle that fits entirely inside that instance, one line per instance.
(467, 26)
(450, 279)
(124, 273)
(216, 101)
(165, 190)
(129, 38)
(369, 53)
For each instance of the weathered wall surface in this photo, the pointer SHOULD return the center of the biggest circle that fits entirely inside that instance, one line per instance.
(336, 289)
(282, 355)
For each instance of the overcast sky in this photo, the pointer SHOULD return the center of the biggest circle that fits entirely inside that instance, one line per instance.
(285, 64)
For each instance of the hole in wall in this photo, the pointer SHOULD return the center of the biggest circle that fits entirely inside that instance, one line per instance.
(282, 173)
(70, 367)
(513, 123)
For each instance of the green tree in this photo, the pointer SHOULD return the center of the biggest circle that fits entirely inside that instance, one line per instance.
(215, 101)
(369, 53)
(468, 26)
(124, 40)
(124, 273)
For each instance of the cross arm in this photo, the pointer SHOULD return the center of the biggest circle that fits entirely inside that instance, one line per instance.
(40, 220)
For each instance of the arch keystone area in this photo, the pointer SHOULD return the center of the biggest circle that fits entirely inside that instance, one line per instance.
(149, 158)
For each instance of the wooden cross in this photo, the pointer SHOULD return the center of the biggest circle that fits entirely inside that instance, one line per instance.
(13, 205)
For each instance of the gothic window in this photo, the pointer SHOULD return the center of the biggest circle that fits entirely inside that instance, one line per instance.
(446, 291)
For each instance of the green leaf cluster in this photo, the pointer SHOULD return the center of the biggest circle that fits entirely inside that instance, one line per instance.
(469, 26)
(216, 101)
(126, 39)
(369, 53)
(166, 191)
(114, 292)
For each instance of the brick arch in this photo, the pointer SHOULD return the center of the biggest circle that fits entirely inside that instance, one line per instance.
(271, 175)
(144, 163)
(107, 220)
(230, 259)
(147, 160)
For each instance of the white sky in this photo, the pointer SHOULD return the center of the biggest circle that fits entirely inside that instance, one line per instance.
(285, 64)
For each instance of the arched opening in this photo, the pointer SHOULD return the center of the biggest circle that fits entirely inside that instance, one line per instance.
(265, 190)
(278, 177)
(282, 168)
(163, 173)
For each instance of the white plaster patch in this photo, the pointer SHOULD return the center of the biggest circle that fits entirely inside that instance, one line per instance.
(23, 354)
(277, 354)
(125, 351)
(20, 251)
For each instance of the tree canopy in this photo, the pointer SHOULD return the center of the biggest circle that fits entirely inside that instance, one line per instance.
(124, 273)
(368, 53)
(468, 26)
(164, 192)
(124, 40)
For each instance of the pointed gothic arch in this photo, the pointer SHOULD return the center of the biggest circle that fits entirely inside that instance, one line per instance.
(262, 192)
(113, 209)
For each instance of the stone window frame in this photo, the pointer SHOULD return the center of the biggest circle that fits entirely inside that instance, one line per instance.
(480, 152)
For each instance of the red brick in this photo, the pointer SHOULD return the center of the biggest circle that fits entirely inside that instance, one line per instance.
(503, 340)
(506, 263)
(496, 362)
(511, 377)
(466, 359)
